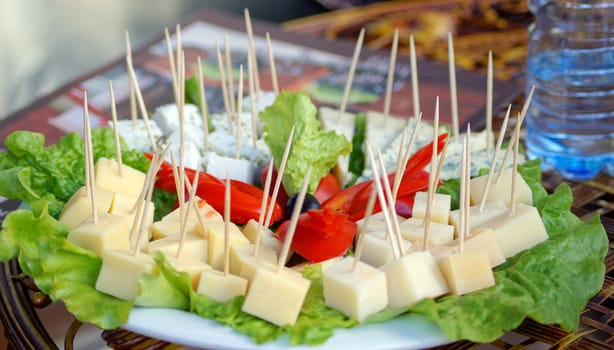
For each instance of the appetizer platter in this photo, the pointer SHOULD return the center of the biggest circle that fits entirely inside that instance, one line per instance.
(292, 225)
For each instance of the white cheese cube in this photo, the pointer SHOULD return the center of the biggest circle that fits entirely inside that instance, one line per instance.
(382, 130)
(109, 232)
(413, 277)
(220, 287)
(135, 133)
(229, 167)
(243, 262)
(520, 231)
(377, 248)
(276, 296)
(467, 272)
(412, 230)
(194, 247)
(193, 268)
(476, 217)
(267, 238)
(120, 272)
(440, 209)
(215, 232)
(107, 177)
(376, 223)
(358, 292)
(167, 118)
(501, 190)
(79, 206)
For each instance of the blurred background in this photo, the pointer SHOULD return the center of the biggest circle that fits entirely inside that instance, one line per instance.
(46, 44)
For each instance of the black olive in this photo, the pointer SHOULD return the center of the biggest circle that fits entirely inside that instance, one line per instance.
(310, 202)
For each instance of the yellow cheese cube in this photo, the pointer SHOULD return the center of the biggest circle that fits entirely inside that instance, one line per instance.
(376, 223)
(107, 176)
(413, 277)
(220, 287)
(243, 262)
(358, 292)
(79, 206)
(193, 268)
(440, 209)
(483, 240)
(267, 238)
(120, 272)
(194, 247)
(520, 231)
(170, 225)
(377, 248)
(501, 190)
(215, 232)
(477, 218)
(412, 230)
(467, 272)
(276, 296)
(109, 232)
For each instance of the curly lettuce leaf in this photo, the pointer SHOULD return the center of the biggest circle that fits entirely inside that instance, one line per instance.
(165, 287)
(311, 146)
(31, 171)
(59, 268)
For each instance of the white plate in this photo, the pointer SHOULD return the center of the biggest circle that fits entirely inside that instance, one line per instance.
(180, 327)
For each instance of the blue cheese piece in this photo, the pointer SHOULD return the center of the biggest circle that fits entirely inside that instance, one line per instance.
(266, 99)
(382, 129)
(167, 118)
(136, 135)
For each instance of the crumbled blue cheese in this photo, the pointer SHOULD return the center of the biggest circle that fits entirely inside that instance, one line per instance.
(136, 135)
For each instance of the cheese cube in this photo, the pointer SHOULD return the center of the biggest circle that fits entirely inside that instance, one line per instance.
(377, 249)
(520, 231)
(215, 232)
(276, 296)
(501, 190)
(438, 251)
(376, 223)
(109, 232)
(467, 272)
(483, 240)
(243, 262)
(194, 247)
(107, 177)
(413, 277)
(193, 268)
(412, 230)
(135, 218)
(476, 217)
(120, 272)
(218, 286)
(170, 224)
(230, 167)
(267, 238)
(79, 206)
(358, 292)
(440, 209)
(382, 129)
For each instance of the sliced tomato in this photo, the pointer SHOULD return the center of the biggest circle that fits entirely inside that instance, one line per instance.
(321, 234)
(328, 187)
(246, 199)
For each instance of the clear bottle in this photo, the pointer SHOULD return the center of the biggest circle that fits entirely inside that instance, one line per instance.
(570, 123)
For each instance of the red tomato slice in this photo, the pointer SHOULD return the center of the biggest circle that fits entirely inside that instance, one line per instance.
(321, 234)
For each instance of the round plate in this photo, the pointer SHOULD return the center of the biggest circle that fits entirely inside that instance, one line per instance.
(181, 327)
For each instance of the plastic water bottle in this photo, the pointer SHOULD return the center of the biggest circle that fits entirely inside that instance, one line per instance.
(570, 124)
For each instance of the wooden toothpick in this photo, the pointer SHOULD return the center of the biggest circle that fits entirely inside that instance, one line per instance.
(296, 212)
(204, 108)
(396, 234)
(348, 83)
(432, 173)
(390, 80)
(227, 226)
(172, 66)
(224, 86)
(412, 139)
(495, 156)
(280, 175)
(239, 114)
(263, 206)
(453, 94)
(251, 48)
(183, 231)
(252, 102)
(89, 158)
(229, 75)
(272, 65)
(489, 92)
(118, 149)
(415, 92)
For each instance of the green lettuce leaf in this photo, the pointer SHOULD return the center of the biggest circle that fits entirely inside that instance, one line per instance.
(59, 268)
(165, 287)
(31, 171)
(296, 110)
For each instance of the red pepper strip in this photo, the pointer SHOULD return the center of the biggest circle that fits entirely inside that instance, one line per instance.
(328, 187)
(282, 196)
(245, 198)
(321, 234)
(342, 201)
(410, 184)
